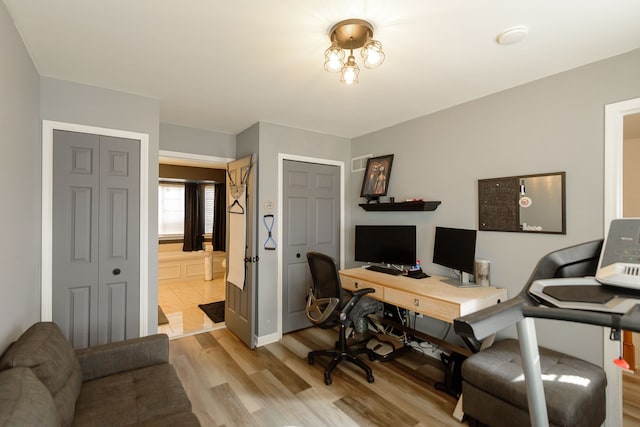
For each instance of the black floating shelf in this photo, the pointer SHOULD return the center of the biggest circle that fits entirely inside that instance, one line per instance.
(401, 206)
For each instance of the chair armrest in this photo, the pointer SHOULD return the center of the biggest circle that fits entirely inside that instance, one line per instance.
(108, 359)
(490, 320)
(321, 309)
(363, 291)
(355, 297)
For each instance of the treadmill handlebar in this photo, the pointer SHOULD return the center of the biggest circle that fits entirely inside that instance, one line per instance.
(631, 320)
(490, 320)
(483, 323)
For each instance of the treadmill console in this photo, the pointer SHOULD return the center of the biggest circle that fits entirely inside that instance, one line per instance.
(620, 258)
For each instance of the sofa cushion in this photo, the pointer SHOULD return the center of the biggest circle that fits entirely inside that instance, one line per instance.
(45, 350)
(133, 397)
(25, 401)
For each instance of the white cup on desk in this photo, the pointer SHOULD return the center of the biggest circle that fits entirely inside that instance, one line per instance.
(482, 272)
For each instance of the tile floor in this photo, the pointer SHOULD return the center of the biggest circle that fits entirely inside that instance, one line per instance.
(179, 301)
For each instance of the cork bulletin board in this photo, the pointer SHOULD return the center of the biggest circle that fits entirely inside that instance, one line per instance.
(498, 208)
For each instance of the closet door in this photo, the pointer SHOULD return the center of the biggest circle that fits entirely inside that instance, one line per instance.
(95, 247)
(311, 222)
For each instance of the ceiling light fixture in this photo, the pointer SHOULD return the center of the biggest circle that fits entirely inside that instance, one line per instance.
(352, 34)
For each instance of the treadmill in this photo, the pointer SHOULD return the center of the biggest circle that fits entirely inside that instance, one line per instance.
(595, 283)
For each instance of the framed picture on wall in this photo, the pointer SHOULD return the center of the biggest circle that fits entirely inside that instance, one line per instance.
(376, 177)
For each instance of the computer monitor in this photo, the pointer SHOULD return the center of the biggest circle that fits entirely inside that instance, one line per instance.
(388, 244)
(455, 248)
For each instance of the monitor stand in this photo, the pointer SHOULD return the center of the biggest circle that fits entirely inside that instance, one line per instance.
(462, 282)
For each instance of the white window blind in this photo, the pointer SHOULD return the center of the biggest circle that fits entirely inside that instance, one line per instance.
(209, 193)
(170, 210)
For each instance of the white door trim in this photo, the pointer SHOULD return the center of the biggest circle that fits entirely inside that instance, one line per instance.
(281, 158)
(613, 145)
(48, 126)
(213, 160)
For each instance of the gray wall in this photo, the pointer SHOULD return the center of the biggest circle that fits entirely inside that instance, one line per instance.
(554, 124)
(197, 141)
(87, 105)
(275, 139)
(550, 125)
(21, 176)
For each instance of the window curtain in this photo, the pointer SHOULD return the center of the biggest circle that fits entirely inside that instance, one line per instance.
(220, 217)
(193, 217)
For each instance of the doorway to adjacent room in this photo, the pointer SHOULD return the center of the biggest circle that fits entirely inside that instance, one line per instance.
(631, 209)
(188, 280)
(618, 127)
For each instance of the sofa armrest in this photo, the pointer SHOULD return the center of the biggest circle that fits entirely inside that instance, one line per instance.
(122, 356)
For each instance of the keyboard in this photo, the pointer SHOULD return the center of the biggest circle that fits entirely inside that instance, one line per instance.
(385, 270)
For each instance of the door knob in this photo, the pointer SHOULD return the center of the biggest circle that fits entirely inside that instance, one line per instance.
(297, 255)
(116, 271)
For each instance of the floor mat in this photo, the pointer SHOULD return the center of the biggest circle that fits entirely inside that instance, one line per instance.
(214, 310)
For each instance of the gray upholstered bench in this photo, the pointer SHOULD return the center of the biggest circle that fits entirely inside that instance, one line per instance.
(494, 392)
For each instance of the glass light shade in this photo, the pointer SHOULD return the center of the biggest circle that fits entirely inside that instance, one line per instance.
(350, 71)
(372, 53)
(333, 58)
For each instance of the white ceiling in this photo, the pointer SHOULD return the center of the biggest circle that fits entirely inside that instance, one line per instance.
(224, 65)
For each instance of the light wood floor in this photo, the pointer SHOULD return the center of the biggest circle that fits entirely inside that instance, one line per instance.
(230, 385)
(179, 301)
(256, 386)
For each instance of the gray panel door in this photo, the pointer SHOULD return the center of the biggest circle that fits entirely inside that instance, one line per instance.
(311, 222)
(239, 303)
(96, 204)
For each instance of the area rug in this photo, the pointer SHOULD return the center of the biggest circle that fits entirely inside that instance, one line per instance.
(214, 310)
(162, 319)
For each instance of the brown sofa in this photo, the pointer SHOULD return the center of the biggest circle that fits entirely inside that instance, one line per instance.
(44, 382)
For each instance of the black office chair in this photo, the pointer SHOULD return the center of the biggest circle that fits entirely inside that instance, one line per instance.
(328, 305)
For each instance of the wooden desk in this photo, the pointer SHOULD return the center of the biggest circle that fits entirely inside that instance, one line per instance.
(429, 296)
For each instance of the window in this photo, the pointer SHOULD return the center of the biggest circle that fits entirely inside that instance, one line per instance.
(171, 210)
(209, 194)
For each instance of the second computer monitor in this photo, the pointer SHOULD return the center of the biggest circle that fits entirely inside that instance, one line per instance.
(455, 248)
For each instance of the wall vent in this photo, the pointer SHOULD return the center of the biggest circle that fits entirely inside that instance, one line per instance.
(360, 163)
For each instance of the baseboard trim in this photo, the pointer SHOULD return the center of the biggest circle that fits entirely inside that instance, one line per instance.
(268, 339)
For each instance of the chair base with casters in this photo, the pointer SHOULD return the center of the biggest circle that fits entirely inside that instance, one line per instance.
(328, 306)
(342, 352)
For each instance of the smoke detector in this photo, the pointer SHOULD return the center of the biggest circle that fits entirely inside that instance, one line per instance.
(512, 35)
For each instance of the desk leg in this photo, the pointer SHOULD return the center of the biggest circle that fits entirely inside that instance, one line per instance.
(487, 342)
(457, 412)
